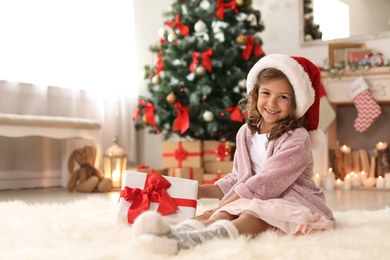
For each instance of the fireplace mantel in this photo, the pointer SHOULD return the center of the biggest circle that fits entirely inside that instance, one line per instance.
(378, 80)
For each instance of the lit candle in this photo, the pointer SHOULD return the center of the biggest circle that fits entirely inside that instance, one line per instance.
(339, 184)
(347, 182)
(345, 149)
(356, 179)
(330, 177)
(381, 146)
(369, 182)
(363, 175)
(380, 182)
(317, 179)
(387, 180)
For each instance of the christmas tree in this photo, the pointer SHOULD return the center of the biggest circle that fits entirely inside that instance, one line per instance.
(311, 30)
(204, 52)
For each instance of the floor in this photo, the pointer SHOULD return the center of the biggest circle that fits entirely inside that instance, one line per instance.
(337, 200)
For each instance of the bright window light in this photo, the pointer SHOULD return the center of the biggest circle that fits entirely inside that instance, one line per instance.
(333, 18)
(84, 44)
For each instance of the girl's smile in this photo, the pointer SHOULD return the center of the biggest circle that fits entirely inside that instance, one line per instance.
(273, 102)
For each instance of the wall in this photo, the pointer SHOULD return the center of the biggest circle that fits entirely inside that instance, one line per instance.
(281, 19)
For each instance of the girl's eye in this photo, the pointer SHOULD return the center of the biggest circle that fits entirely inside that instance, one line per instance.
(283, 97)
(265, 93)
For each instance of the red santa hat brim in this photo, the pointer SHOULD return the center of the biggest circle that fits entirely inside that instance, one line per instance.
(305, 79)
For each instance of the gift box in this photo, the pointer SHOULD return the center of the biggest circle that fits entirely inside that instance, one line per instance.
(218, 167)
(211, 178)
(174, 198)
(217, 151)
(182, 154)
(147, 169)
(187, 173)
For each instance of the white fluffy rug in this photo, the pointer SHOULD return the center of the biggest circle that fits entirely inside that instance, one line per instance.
(87, 229)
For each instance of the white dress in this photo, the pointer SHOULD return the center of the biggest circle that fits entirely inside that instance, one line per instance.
(287, 215)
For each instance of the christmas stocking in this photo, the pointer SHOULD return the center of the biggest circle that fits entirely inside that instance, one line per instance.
(327, 113)
(367, 108)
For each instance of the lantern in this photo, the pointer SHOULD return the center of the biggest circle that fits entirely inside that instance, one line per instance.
(115, 160)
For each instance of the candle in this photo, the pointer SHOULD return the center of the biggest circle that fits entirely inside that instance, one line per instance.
(339, 184)
(381, 146)
(356, 179)
(347, 182)
(330, 177)
(317, 179)
(387, 180)
(369, 182)
(363, 175)
(380, 182)
(345, 149)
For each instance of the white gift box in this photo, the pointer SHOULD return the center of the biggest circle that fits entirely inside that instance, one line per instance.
(184, 193)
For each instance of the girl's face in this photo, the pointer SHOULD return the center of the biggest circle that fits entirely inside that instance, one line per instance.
(273, 103)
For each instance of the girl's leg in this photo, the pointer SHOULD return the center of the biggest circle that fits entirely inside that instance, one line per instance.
(249, 225)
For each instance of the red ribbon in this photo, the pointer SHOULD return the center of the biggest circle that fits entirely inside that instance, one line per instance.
(149, 112)
(184, 30)
(250, 46)
(142, 166)
(221, 6)
(180, 154)
(191, 173)
(222, 151)
(206, 61)
(154, 191)
(213, 180)
(160, 64)
(182, 121)
(235, 114)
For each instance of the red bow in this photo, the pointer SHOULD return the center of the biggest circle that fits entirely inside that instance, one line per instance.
(160, 64)
(206, 61)
(235, 114)
(154, 191)
(184, 30)
(258, 51)
(222, 151)
(149, 112)
(182, 121)
(220, 13)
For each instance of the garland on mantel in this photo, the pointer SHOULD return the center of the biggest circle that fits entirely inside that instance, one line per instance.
(341, 68)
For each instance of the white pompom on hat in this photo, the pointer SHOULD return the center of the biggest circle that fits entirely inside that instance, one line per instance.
(305, 77)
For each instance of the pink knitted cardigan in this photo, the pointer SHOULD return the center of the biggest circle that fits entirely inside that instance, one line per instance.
(286, 172)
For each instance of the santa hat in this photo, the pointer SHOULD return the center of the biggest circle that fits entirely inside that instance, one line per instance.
(305, 78)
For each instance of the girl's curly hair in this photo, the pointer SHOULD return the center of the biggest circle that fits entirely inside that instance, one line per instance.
(248, 106)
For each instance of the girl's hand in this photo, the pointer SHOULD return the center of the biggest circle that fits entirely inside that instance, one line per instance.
(205, 216)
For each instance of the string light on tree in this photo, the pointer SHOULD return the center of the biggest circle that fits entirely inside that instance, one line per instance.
(208, 116)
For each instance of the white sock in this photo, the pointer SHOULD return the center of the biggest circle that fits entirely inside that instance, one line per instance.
(188, 225)
(172, 242)
(150, 222)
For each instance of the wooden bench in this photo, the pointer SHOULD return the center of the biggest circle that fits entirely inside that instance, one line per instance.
(15, 125)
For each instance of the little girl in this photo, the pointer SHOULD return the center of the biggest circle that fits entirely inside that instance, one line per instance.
(270, 185)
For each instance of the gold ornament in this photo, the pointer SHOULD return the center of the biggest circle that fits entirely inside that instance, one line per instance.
(240, 2)
(156, 79)
(200, 70)
(241, 39)
(171, 98)
(144, 118)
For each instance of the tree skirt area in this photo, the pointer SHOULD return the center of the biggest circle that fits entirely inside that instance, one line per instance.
(88, 229)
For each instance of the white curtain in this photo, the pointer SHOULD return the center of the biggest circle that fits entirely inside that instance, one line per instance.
(73, 58)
